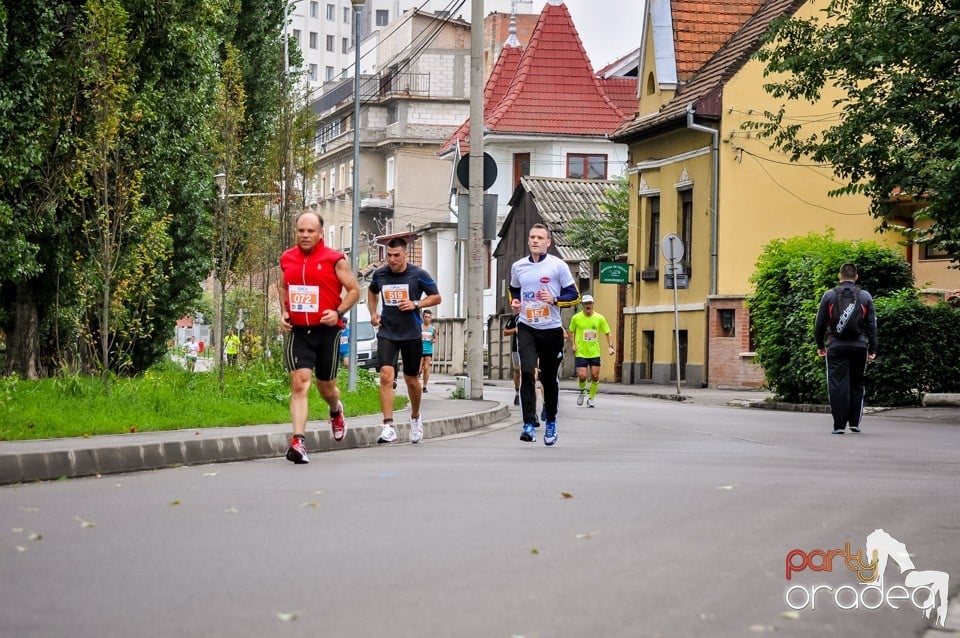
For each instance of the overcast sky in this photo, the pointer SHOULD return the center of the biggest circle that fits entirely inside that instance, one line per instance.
(608, 28)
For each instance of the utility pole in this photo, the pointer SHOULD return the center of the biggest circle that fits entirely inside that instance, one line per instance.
(355, 212)
(475, 252)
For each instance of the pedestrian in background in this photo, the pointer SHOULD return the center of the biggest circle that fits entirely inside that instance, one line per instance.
(317, 288)
(510, 330)
(585, 329)
(191, 350)
(232, 346)
(428, 337)
(405, 289)
(345, 343)
(846, 334)
(540, 285)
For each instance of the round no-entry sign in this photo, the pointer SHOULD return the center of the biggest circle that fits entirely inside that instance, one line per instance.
(672, 247)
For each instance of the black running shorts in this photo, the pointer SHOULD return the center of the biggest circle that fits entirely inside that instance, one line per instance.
(412, 351)
(314, 347)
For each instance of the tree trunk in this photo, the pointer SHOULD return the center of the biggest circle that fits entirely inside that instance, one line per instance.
(23, 343)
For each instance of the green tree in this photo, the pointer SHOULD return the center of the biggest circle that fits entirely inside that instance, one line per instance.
(127, 247)
(174, 49)
(895, 66)
(38, 76)
(603, 235)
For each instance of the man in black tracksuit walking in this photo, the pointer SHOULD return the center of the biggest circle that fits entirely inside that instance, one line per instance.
(847, 353)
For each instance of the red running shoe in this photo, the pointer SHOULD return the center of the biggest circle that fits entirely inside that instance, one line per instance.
(298, 451)
(337, 425)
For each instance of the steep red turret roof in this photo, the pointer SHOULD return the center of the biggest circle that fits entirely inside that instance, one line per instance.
(550, 88)
(555, 90)
(496, 87)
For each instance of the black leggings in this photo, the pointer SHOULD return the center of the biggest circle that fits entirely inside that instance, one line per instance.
(541, 349)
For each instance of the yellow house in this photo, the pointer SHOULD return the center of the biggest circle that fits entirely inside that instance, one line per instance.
(695, 172)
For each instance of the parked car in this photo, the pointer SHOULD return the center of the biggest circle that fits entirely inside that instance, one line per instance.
(366, 339)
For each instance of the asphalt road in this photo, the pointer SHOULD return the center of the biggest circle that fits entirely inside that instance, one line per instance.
(648, 518)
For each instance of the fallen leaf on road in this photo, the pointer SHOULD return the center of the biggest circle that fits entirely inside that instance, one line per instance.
(310, 505)
(586, 536)
(34, 536)
(319, 492)
(761, 628)
(232, 510)
(287, 617)
(21, 548)
(725, 487)
(535, 551)
(84, 523)
(792, 615)
(209, 473)
(133, 429)
(17, 530)
(177, 502)
(566, 494)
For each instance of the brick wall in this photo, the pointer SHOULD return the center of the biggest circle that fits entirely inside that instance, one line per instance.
(728, 345)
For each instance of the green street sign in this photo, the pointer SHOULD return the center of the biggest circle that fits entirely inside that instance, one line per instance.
(614, 272)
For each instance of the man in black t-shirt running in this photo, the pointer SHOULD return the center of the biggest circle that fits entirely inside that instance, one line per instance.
(405, 290)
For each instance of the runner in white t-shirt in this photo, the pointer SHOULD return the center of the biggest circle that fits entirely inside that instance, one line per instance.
(539, 286)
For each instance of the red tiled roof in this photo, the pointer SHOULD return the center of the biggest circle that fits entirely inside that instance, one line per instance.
(622, 92)
(555, 90)
(496, 87)
(705, 89)
(550, 88)
(700, 28)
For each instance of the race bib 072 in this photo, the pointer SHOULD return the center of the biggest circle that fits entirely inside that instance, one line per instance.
(304, 298)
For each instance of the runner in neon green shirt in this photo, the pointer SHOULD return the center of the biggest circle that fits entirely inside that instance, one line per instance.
(584, 333)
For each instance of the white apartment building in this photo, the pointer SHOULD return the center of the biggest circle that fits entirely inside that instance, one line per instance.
(324, 30)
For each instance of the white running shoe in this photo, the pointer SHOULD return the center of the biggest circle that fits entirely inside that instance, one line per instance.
(580, 398)
(388, 434)
(416, 429)
(589, 403)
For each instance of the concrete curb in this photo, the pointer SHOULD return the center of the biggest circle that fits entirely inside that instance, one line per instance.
(222, 446)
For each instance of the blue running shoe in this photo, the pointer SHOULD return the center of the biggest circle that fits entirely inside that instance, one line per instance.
(550, 435)
(528, 434)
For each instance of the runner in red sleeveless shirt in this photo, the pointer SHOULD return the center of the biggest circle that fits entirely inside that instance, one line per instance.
(317, 288)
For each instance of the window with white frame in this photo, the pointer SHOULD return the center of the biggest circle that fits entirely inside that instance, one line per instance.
(383, 17)
(331, 12)
(346, 14)
(313, 39)
(313, 72)
(390, 168)
(329, 73)
(314, 9)
(330, 43)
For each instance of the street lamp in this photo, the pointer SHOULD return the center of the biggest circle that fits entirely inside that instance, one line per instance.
(355, 219)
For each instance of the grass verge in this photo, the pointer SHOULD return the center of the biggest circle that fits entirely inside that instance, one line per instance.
(166, 397)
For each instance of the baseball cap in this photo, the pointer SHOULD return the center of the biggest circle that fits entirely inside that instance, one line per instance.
(586, 299)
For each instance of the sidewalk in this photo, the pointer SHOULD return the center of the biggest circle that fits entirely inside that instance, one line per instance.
(50, 459)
